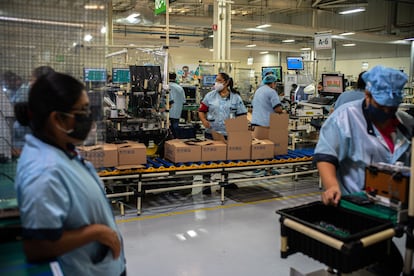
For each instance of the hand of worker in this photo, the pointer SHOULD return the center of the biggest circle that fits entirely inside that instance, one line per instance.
(331, 196)
(206, 123)
(110, 238)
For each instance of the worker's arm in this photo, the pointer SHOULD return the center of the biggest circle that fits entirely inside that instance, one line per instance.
(278, 109)
(43, 250)
(332, 193)
(203, 119)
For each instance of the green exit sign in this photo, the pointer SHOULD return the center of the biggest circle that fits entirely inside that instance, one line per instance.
(160, 6)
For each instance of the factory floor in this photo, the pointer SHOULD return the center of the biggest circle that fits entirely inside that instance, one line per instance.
(188, 233)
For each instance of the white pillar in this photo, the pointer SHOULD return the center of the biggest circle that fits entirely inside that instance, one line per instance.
(222, 37)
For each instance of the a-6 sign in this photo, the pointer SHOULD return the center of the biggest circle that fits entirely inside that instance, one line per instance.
(323, 41)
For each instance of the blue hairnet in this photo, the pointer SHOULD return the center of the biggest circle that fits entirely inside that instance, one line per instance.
(385, 85)
(269, 79)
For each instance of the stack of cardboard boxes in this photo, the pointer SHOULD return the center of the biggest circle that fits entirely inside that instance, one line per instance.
(241, 144)
(126, 155)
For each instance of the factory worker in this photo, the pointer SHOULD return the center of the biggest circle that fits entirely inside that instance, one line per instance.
(220, 104)
(362, 132)
(265, 102)
(64, 212)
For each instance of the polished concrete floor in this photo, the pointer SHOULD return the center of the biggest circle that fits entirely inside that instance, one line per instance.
(194, 235)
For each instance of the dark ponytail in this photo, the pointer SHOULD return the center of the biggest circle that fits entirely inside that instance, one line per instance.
(21, 112)
(230, 82)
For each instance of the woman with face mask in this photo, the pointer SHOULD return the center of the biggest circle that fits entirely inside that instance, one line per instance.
(65, 214)
(360, 133)
(219, 105)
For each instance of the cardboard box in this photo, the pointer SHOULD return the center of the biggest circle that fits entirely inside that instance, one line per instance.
(213, 151)
(239, 123)
(105, 155)
(132, 153)
(262, 149)
(178, 151)
(277, 132)
(239, 144)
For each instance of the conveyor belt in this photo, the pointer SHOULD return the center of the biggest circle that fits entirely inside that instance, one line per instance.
(162, 165)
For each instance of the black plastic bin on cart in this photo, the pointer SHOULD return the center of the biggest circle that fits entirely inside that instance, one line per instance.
(340, 238)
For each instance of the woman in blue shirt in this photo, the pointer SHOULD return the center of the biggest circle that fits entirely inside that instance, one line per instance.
(219, 105)
(65, 214)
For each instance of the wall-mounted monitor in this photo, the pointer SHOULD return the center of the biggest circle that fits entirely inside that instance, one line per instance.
(94, 74)
(294, 63)
(121, 75)
(333, 84)
(275, 70)
(209, 80)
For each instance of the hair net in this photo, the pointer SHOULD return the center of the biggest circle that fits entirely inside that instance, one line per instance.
(385, 85)
(269, 79)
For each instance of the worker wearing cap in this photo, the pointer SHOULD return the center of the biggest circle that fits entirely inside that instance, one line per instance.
(265, 101)
(360, 133)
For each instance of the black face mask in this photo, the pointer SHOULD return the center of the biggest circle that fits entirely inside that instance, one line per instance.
(83, 125)
(378, 115)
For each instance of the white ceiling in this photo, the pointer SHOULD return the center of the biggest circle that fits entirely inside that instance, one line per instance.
(384, 21)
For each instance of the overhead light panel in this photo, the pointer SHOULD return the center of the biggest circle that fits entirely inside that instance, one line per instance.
(352, 11)
(263, 26)
(288, 40)
(347, 33)
(305, 49)
(251, 45)
(264, 52)
(349, 44)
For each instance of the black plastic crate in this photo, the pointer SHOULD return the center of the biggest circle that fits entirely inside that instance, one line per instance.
(340, 238)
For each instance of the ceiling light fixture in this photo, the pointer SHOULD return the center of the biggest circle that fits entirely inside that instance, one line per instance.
(347, 33)
(263, 26)
(251, 45)
(305, 49)
(288, 40)
(349, 44)
(264, 52)
(352, 11)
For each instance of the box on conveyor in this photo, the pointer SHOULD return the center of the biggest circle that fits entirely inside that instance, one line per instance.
(262, 149)
(277, 132)
(179, 151)
(342, 239)
(105, 155)
(211, 150)
(132, 153)
(239, 138)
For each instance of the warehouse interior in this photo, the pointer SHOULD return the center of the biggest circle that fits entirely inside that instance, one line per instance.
(174, 201)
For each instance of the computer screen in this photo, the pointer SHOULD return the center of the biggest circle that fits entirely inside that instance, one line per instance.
(190, 92)
(276, 70)
(121, 75)
(294, 63)
(333, 84)
(209, 80)
(94, 74)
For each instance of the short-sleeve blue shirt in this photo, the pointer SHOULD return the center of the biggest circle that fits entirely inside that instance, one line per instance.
(265, 100)
(219, 109)
(57, 193)
(177, 98)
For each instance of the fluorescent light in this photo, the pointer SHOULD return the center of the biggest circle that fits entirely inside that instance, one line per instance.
(348, 44)
(305, 49)
(352, 11)
(288, 40)
(251, 45)
(88, 37)
(348, 33)
(94, 7)
(103, 30)
(264, 52)
(263, 26)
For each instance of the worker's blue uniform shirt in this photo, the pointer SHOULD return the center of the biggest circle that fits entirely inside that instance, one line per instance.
(265, 100)
(177, 99)
(219, 109)
(349, 96)
(349, 140)
(57, 192)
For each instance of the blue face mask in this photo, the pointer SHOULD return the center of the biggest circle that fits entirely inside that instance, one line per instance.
(379, 115)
